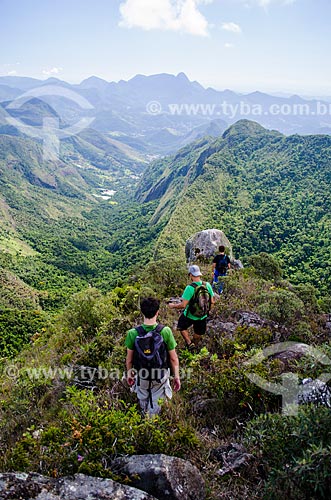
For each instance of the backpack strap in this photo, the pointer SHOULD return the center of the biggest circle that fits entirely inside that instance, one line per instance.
(195, 285)
(140, 330)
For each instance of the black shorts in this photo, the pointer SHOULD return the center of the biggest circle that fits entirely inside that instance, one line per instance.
(199, 325)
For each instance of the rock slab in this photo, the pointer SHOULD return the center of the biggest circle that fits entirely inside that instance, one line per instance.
(167, 478)
(14, 486)
(204, 245)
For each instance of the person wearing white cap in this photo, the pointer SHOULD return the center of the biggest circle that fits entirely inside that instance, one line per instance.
(194, 318)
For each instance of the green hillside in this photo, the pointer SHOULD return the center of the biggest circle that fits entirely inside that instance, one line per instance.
(56, 218)
(54, 424)
(74, 267)
(267, 192)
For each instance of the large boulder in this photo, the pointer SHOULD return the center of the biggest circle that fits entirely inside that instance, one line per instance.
(77, 487)
(204, 245)
(167, 478)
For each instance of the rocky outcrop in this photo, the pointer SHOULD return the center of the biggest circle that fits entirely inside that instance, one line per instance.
(232, 457)
(247, 319)
(34, 486)
(314, 392)
(237, 264)
(204, 245)
(167, 478)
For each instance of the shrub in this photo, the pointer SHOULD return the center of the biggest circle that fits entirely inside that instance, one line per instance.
(266, 266)
(90, 430)
(253, 337)
(17, 327)
(294, 451)
(281, 306)
(307, 293)
(166, 276)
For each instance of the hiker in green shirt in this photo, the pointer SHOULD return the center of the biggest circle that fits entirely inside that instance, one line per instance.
(188, 318)
(151, 385)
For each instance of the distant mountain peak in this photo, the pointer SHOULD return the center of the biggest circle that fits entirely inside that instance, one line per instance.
(257, 93)
(52, 79)
(182, 76)
(93, 82)
(244, 127)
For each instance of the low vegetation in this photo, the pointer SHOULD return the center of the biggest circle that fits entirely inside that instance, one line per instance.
(66, 408)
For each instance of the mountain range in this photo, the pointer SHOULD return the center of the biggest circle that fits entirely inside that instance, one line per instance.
(160, 113)
(90, 213)
(86, 235)
(266, 191)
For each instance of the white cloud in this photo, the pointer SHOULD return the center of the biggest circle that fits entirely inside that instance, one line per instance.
(229, 45)
(266, 3)
(12, 73)
(52, 71)
(233, 27)
(170, 15)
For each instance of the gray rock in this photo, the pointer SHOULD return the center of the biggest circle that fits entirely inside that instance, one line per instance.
(250, 319)
(237, 264)
(293, 351)
(204, 245)
(22, 486)
(232, 457)
(328, 323)
(253, 320)
(167, 478)
(221, 327)
(315, 392)
(202, 406)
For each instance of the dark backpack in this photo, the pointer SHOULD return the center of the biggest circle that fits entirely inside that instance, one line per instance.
(150, 357)
(222, 264)
(200, 303)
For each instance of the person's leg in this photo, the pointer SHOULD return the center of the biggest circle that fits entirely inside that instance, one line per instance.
(199, 328)
(183, 324)
(220, 284)
(216, 274)
(196, 338)
(141, 390)
(186, 336)
(160, 391)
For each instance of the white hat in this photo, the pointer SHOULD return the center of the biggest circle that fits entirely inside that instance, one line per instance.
(195, 271)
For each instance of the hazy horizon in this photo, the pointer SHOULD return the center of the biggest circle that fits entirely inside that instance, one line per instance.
(273, 46)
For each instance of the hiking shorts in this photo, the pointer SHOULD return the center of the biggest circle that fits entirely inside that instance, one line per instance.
(199, 325)
(159, 390)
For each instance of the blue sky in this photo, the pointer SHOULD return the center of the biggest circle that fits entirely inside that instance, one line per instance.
(245, 45)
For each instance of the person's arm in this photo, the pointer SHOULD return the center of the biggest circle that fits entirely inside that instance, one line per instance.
(129, 367)
(212, 296)
(213, 271)
(174, 364)
(180, 305)
(213, 266)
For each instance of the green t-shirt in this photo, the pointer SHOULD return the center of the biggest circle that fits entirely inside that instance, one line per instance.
(188, 294)
(166, 333)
